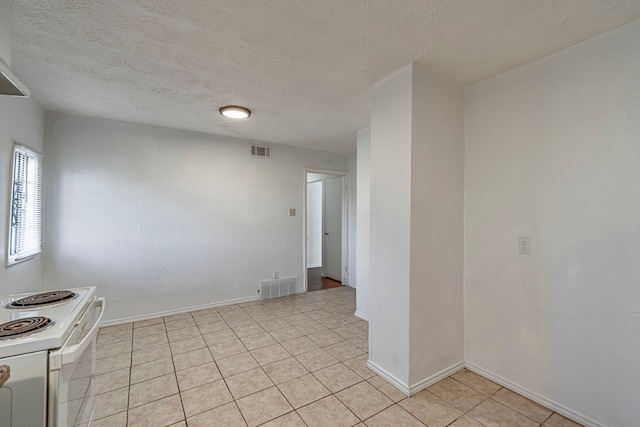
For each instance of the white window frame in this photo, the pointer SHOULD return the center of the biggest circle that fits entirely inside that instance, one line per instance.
(24, 232)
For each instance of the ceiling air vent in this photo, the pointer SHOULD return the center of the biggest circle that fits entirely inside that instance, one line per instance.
(261, 151)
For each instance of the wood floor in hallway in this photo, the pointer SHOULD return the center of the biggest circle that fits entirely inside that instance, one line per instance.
(316, 282)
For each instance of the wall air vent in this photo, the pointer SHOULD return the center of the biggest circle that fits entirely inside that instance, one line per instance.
(275, 288)
(261, 151)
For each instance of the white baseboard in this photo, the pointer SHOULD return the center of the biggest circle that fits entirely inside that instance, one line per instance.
(361, 315)
(548, 403)
(178, 311)
(393, 380)
(422, 384)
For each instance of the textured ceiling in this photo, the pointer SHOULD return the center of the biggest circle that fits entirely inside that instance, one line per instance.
(303, 66)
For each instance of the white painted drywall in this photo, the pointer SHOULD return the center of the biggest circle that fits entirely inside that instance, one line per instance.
(6, 33)
(314, 224)
(390, 225)
(416, 230)
(363, 214)
(553, 153)
(313, 177)
(163, 219)
(22, 120)
(352, 200)
(437, 195)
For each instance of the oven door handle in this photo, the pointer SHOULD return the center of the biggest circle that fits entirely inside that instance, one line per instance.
(71, 353)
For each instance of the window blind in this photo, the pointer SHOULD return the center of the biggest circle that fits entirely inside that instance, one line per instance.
(25, 213)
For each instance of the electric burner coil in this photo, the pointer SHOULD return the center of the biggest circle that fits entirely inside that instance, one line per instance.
(43, 299)
(21, 327)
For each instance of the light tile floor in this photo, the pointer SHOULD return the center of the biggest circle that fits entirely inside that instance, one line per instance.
(292, 361)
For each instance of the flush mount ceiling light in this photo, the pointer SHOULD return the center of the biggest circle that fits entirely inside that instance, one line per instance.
(235, 112)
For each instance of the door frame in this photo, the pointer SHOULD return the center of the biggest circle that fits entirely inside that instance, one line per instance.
(345, 223)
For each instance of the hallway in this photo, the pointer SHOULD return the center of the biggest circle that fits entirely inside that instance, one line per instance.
(316, 282)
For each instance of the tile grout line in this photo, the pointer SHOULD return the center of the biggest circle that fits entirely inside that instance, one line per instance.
(234, 400)
(175, 371)
(235, 403)
(130, 371)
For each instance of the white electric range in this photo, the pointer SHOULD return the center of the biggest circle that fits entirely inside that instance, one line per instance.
(48, 341)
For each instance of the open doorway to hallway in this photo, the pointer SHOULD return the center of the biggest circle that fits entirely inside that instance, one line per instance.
(325, 230)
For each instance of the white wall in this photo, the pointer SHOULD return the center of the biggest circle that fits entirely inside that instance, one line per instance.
(363, 218)
(390, 226)
(416, 230)
(162, 219)
(6, 36)
(22, 120)
(437, 195)
(552, 153)
(314, 224)
(313, 177)
(353, 194)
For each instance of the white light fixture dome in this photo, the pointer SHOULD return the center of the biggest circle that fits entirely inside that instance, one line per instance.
(235, 112)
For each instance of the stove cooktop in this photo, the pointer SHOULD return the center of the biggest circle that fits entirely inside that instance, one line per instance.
(62, 316)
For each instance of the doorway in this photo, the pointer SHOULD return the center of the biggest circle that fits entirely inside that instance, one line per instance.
(325, 230)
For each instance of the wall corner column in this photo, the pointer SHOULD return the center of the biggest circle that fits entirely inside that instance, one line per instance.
(416, 228)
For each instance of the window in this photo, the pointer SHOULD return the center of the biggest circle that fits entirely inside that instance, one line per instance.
(25, 211)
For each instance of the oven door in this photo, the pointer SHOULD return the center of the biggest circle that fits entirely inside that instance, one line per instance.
(72, 370)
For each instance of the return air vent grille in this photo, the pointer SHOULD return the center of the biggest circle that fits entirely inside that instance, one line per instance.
(274, 288)
(261, 151)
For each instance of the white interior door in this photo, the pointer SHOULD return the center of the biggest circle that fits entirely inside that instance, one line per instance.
(332, 248)
(314, 224)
